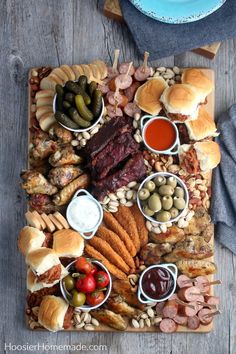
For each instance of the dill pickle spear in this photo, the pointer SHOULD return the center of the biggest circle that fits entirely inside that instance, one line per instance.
(97, 103)
(83, 82)
(65, 120)
(60, 95)
(77, 119)
(83, 109)
(92, 87)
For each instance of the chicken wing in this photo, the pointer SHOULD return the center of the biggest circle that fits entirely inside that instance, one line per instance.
(193, 247)
(64, 195)
(65, 156)
(172, 235)
(193, 268)
(110, 318)
(35, 182)
(198, 223)
(151, 253)
(141, 225)
(63, 135)
(42, 203)
(61, 176)
(127, 221)
(43, 146)
(123, 288)
(118, 305)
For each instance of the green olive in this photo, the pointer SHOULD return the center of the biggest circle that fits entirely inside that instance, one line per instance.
(150, 185)
(69, 282)
(163, 216)
(179, 203)
(171, 181)
(78, 299)
(167, 202)
(154, 203)
(148, 211)
(159, 181)
(166, 190)
(174, 213)
(179, 192)
(143, 194)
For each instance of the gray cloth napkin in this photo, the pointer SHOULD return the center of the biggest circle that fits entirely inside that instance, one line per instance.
(223, 203)
(162, 40)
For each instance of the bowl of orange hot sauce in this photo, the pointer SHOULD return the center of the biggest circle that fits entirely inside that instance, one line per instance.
(160, 135)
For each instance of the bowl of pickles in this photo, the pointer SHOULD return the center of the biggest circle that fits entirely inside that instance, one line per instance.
(162, 197)
(78, 105)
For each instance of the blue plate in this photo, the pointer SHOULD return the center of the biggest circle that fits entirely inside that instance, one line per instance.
(177, 11)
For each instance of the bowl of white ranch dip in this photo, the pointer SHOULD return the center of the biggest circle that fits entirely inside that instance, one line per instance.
(84, 213)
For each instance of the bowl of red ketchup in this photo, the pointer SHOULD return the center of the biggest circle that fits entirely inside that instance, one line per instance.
(157, 283)
(160, 135)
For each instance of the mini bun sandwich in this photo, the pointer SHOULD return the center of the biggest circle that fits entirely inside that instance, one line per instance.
(33, 284)
(180, 102)
(201, 128)
(68, 243)
(54, 313)
(46, 266)
(199, 80)
(199, 157)
(30, 239)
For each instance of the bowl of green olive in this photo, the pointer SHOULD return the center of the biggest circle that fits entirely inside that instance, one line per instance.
(162, 197)
(78, 105)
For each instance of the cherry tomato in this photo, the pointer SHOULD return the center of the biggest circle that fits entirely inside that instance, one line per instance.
(95, 298)
(102, 279)
(83, 265)
(85, 283)
(94, 270)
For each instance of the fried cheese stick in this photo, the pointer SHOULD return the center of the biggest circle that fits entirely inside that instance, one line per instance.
(105, 249)
(141, 226)
(125, 217)
(117, 245)
(91, 252)
(116, 227)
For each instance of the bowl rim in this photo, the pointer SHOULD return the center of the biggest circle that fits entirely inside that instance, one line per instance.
(81, 130)
(149, 178)
(87, 307)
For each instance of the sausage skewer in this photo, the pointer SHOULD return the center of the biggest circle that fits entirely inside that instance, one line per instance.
(143, 71)
(211, 306)
(184, 303)
(211, 314)
(123, 81)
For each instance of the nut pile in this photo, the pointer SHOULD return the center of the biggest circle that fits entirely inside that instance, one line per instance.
(170, 75)
(147, 318)
(124, 196)
(84, 320)
(33, 317)
(199, 191)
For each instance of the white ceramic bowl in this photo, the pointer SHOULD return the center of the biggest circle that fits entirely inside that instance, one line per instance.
(87, 307)
(81, 129)
(180, 183)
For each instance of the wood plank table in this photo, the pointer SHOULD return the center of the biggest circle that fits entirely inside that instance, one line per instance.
(52, 32)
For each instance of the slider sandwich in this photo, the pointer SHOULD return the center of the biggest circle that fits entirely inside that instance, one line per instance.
(181, 102)
(54, 313)
(199, 157)
(68, 243)
(46, 266)
(199, 80)
(30, 239)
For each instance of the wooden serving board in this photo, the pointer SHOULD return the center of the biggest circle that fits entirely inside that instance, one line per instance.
(112, 10)
(102, 328)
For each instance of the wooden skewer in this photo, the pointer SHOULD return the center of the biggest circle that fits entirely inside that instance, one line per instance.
(115, 62)
(115, 96)
(184, 304)
(214, 282)
(127, 73)
(200, 293)
(211, 306)
(212, 314)
(145, 61)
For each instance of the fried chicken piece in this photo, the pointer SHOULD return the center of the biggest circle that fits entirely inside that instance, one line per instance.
(171, 258)
(116, 227)
(193, 268)
(43, 145)
(198, 223)
(110, 318)
(107, 251)
(172, 235)
(65, 156)
(151, 253)
(92, 252)
(61, 176)
(208, 232)
(123, 288)
(117, 245)
(127, 221)
(42, 203)
(118, 305)
(63, 135)
(64, 195)
(193, 247)
(141, 225)
(35, 182)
